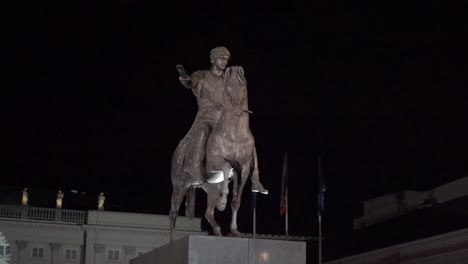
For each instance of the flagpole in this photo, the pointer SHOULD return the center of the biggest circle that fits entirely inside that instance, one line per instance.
(254, 203)
(320, 239)
(320, 210)
(284, 195)
(287, 216)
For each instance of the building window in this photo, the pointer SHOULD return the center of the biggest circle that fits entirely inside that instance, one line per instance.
(113, 254)
(141, 253)
(71, 254)
(5, 251)
(38, 252)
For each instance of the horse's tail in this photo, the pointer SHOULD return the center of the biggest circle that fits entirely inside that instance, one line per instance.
(190, 203)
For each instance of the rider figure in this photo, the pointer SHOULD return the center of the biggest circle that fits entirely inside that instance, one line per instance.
(208, 87)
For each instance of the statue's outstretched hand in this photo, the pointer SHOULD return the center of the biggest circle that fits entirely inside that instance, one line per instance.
(184, 79)
(186, 82)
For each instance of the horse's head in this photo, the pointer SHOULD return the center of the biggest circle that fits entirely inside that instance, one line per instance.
(235, 93)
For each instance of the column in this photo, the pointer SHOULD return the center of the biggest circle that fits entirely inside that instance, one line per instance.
(130, 252)
(99, 253)
(22, 254)
(89, 250)
(55, 253)
(82, 254)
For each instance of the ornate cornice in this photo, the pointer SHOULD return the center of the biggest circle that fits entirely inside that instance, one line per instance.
(145, 231)
(60, 226)
(42, 225)
(114, 229)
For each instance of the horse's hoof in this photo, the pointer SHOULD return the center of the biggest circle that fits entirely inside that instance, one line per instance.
(235, 234)
(217, 231)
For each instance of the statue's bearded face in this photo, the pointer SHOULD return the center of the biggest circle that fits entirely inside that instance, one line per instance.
(221, 61)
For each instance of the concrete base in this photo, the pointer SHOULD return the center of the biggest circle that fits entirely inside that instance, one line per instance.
(195, 249)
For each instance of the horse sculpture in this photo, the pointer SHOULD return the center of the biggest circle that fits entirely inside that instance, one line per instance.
(230, 152)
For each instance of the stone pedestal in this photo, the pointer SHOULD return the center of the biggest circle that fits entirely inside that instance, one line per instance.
(214, 250)
(58, 214)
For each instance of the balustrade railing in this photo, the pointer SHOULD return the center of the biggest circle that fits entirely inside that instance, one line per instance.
(39, 213)
(73, 216)
(10, 211)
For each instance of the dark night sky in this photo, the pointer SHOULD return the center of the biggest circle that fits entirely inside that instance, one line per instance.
(377, 89)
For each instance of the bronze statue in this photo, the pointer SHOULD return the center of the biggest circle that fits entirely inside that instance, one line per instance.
(219, 145)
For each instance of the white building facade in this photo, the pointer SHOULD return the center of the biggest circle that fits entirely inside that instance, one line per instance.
(394, 205)
(448, 248)
(58, 236)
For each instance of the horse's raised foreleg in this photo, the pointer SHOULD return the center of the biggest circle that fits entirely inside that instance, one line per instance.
(217, 193)
(237, 196)
(225, 191)
(178, 192)
(217, 163)
(212, 199)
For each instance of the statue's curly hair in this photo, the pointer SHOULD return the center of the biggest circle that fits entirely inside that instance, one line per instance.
(218, 52)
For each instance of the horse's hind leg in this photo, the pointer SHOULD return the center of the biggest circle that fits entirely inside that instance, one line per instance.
(213, 197)
(178, 192)
(237, 196)
(190, 203)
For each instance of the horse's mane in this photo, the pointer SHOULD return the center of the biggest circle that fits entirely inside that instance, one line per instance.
(240, 73)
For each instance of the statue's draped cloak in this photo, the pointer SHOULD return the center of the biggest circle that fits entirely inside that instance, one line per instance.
(190, 153)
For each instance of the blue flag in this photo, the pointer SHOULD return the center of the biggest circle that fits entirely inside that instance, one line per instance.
(321, 188)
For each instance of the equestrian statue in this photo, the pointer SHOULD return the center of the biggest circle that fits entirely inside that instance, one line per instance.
(219, 146)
